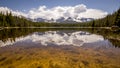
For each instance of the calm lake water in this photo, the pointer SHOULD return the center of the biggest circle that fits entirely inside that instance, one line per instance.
(59, 48)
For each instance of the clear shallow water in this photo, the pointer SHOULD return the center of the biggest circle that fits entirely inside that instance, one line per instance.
(92, 48)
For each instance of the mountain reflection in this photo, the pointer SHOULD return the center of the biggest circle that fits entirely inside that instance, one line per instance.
(77, 37)
(58, 38)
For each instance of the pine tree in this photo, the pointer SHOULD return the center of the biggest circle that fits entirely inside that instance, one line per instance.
(117, 21)
(93, 24)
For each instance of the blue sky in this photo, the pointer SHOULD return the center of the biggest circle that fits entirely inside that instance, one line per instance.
(56, 9)
(105, 5)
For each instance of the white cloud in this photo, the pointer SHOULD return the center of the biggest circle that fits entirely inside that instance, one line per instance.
(80, 8)
(4, 10)
(77, 11)
(93, 13)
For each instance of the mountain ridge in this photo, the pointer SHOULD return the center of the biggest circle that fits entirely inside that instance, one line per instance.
(62, 20)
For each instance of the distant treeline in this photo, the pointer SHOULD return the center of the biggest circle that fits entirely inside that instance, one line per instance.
(8, 20)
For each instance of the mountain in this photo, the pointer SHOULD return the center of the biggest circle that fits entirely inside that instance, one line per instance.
(63, 20)
(9, 20)
(39, 20)
(86, 19)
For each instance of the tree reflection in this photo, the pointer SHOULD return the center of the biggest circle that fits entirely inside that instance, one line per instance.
(12, 34)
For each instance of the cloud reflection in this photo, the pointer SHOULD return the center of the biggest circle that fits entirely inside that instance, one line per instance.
(57, 38)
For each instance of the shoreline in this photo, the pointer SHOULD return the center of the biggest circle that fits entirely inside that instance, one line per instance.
(55, 27)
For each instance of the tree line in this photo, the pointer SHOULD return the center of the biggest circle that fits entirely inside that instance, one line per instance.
(109, 21)
(9, 20)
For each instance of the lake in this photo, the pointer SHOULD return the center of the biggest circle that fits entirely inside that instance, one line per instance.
(59, 48)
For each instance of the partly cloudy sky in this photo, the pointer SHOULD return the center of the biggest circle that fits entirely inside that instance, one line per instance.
(76, 11)
(48, 9)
